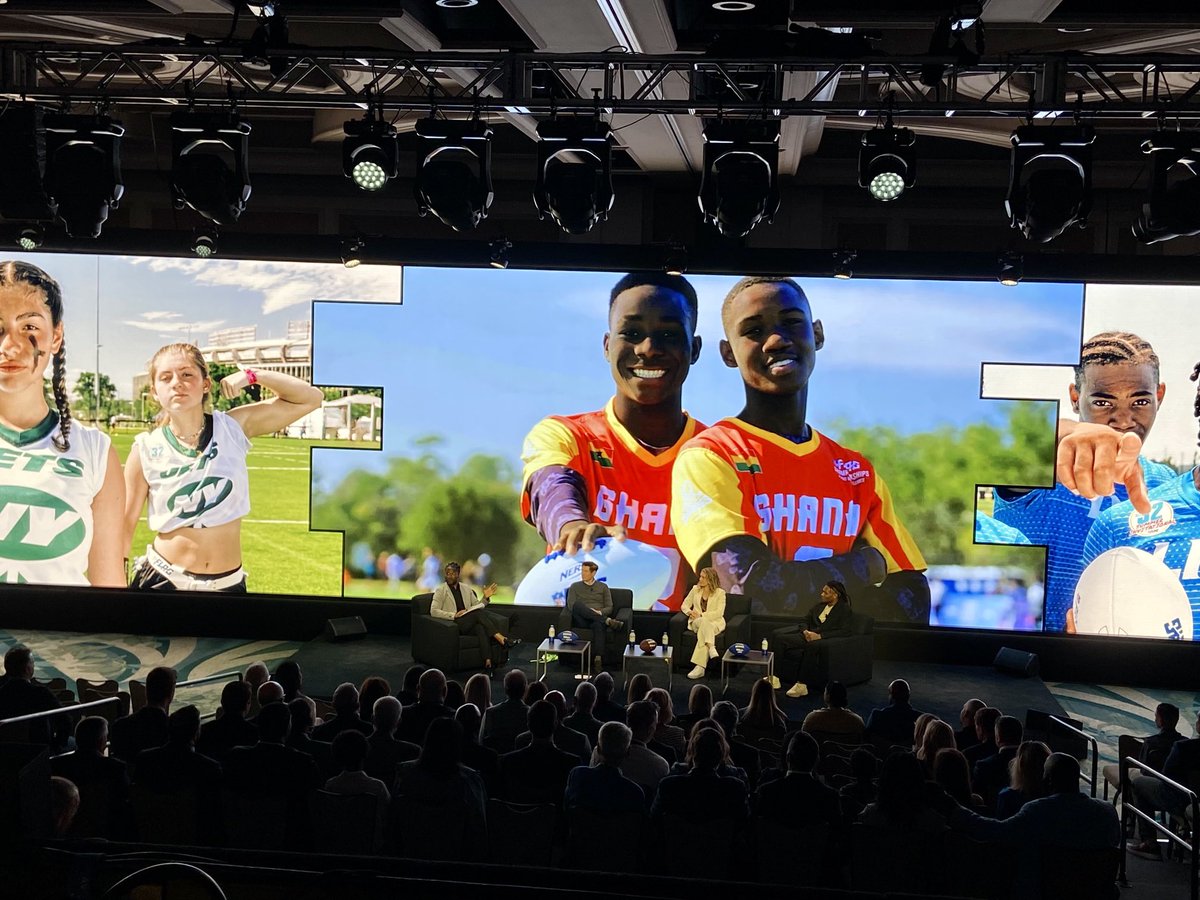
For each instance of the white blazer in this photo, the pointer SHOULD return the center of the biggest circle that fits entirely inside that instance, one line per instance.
(716, 604)
(444, 607)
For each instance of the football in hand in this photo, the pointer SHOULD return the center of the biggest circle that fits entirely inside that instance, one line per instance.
(1126, 591)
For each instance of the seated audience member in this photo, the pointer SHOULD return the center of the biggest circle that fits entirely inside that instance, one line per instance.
(269, 692)
(799, 799)
(103, 783)
(604, 788)
(894, 723)
(147, 727)
(483, 760)
(741, 754)
(455, 695)
(345, 717)
(607, 709)
(304, 712)
(950, 771)
(535, 691)
(230, 729)
(834, 721)
(901, 803)
(289, 677)
(965, 736)
(923, 722)
(407, 695)
(438, 778)
(565, 739)
(1155, 747)
(581, 719)
(640, 764)
(726, 768)
(938, 736)
(1063, 819)
(508, 718)
(985, 734)
(703, 795)
(700, 704)
(762, 718)
(430, 705)
(270, 768)
(990, 775)
(372, 688)
(538, 772)
(639, 686)
(479, 692)
(256, 675)
(855, 796)
(64, 804)
(1026, 780)
(19, 696)
(176, 767)
(349, 754)
(1182, 765)
(384, 751)
(666, 732)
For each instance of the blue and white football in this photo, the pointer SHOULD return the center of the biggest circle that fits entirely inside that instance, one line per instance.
(568, 637)
(642, 568)
(1127, 591)
(739, 649)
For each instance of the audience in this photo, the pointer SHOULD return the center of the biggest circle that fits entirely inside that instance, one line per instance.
(607, 709)
(345, 715)
(64, 804)
(703, 794)
(894, 724)
(384, 750)
(951, 773)
(565, 739)
(990, 774)
(289, 677)
(1025, 781)
(103, 783)
(965, 736)
(537, 773)
(268, 692)
(455, 695)
(372, 688)
(1154, 748)
(639, 686)
(901, 803)
(604, 788)
(256, 675)
(861, 791)
(230, 729)
(407, 695)
(508, 718)
(19, 696)
(938, 736)
(834, 721)
(582, 719)
(726, 766)
(1182, 765)
(177, 768)
(303, 711)
(923, 722)
(479, 692)
(799, 799)
(985, 735)
(147, 727)
(437, 781)
(535, 691)
(639, 763)
(483, 760)
(741, 754)
(430, 705)
(350, 752)
(762, 718)
(700, 704)
(666, 732)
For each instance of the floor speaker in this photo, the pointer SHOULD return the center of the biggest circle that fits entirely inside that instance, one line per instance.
(345, 629)
(1016, 662)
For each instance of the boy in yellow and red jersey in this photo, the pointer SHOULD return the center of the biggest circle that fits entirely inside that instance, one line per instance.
(778, 507)
(608, 472)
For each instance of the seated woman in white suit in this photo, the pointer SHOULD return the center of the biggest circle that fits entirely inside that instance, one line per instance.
(705, 608)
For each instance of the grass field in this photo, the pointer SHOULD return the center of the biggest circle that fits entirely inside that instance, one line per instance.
(379, 588)
(279, 553)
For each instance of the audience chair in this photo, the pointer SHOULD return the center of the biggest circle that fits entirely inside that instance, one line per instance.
(697, 849)
(622, 611)
(1127, 745)
(1068, 872)
(790, 856)
(90, 691)
(595, 840)
(97, 817)
(831, 766)
(52, 684)
(738, 625)
(324, 709)
(437, 643)
(346, 823)
(168, 818)
(522, 834)
(137, 694)
(894, 860)
(835, 742)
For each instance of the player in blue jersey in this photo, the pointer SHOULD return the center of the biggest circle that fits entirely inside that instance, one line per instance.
(1116, 395)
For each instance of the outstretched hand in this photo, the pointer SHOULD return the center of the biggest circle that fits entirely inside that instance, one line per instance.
(579, 534)
(1092, 459)
(489, 591)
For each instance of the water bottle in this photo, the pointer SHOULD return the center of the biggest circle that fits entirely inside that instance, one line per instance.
(764, 646)
(632, 638)
(552, 634)
(666, 639)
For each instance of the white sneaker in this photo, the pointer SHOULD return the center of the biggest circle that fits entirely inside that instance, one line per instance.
(697, 672)
(775, 682)
(798, 690)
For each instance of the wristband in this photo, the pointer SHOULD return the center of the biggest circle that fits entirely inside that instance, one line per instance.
(251, 378)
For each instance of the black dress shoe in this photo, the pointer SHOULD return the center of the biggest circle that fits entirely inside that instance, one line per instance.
(510, 642)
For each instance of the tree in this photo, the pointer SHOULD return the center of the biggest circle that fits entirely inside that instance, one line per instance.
(218, 371)
(85, 394)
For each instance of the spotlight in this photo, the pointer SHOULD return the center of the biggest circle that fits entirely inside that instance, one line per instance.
(1012, 267)
(886, 164)
(454, 175)
(204, 242)
(83, 170)
(740, 184)
(1172, 207)
(574, 174)
(210, 164)
(1050, 180)
(733, 5)
(499, 254)
(269, 39)
(30, 237)
(370, 153)
(23, 164)
(352, 249)
(843, 263)
(676, 260)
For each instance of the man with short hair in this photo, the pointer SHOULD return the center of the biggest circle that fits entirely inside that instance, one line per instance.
(230, 729)
(965, 736)
(147, 727)
(103, 782)
(639, 763)
(581, 719)
(269, 692)
(430, 705)
(607, 709)
(505, 720)
(384, 750)
(798, 799)
(19, 696)
(177, 767)
(538, 773)
(985, 735)
(991, 774)
(703, 793)
(1154, 748)
(256, 675)
(894, 723)
(304, 714)
(1181, 765)
(566, 739)
(604, 788)
(349, 753)
(591, 605)
(346, 715)
(834, 720)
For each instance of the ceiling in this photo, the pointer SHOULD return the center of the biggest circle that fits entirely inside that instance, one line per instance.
(656, 149)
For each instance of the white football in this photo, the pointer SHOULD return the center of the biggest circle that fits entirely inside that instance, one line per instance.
(1126, 591)
(641, 568)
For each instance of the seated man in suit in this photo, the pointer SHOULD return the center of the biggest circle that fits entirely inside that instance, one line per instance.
(430, 705)
(602, 788)
(457, 601)
(230, 729)
(346, 715)
(537, 773)
(834, 721)
(304, 713)
(147, 727)
(799, 799)
(566, 739)
(702, 794)
(582, 719)
(607, 709)
(19, 696)
(349, 753)
(965, 736)
(1182, 765)
(639, 763)
(103, 782)
(894, 723)
(384, 750)
(1154, 747)
(508, 718)
(176, 767)
(990, 775)
(985, 735)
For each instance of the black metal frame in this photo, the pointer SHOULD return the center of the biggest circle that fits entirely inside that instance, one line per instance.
(1129, 806)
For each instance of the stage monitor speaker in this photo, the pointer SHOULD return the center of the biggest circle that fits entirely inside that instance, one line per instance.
(345, 629)
(1016, 662)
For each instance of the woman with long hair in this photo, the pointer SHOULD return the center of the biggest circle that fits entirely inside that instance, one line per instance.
(1026, 779)
(938, 736)
(953, 773)
(479, 691)
(62, 479)
(700, 704)
(704, 607)
(192, 468)
(919, 727)
(666, 732)
(762, 718)
(639, 686)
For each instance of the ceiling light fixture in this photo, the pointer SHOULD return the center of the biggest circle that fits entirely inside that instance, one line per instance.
(83, 170)
(843, 263)
(204, 242)
(370, 153)
(574, 175)
(739, 187)
(30, 237)
(733, 5)
(1012, 268)
(1050, 180)
(1172, 207)
(352, 249)
(210, 168)
(454, 174)
(457, 4)
(887, 166)
(498, 253)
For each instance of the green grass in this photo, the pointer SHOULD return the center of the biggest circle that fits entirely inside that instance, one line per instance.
(378, 588)
(279, 553)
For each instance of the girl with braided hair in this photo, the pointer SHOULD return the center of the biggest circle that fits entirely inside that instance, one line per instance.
(61, 493)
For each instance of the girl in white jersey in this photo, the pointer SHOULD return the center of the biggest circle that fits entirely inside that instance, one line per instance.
(61, 495)
(192, 468)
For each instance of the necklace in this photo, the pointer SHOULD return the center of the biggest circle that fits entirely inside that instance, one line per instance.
(654, 448)
(192, 437)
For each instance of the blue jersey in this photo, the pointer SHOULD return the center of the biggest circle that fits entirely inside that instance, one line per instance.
(1060, 520)
(989, 531)
(1171, 533)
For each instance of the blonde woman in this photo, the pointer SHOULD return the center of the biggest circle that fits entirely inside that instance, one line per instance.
(705, 608)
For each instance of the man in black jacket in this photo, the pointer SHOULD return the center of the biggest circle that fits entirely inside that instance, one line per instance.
(894, 723)
(800, 647)
(19, 696)
(147, 727)
(103, 783)
(538, 773)
(990, 775)
(230, 729)
(1182, 765)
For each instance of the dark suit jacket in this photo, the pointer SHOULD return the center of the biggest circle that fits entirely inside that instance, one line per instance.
(350, 721)
(1183, 763)
(103, 785)
(221, 735)
(797, 800)
(586, 725)
(384, 753)
(1157, 747)
(747, 759)
(566, 739)
(965, 737)
(320, 751)
(609, 711)
(174, 767)
(271, 770)
(894, 723)
(836, 624)
(143, 730)
(502, 723)
(990, 775)
(667, 753)
(979, 752)
(415, 719)
(486, 762)
(19, 697)
(603, 789)
(701, 797)
(536, 774)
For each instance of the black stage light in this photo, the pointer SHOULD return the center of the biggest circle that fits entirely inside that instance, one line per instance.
(1050, 180)
(574, 175)
(210, 164)
(204, 242)
(843, 263)
(887, 166)
(23, 164)
(676, 260)
(30, 237)
(1012, 267)
(352, 249)
(83, 170)
(370, 153)
(454, 172)
(269, 43)
(498, 253)
(740, 184)
(1172, 207)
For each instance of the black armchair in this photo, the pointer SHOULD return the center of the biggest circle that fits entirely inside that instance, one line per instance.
(849, 658)
(437, 643)
(737, 628)
(622, 610)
